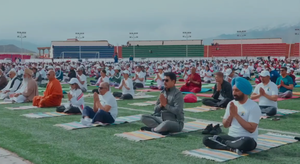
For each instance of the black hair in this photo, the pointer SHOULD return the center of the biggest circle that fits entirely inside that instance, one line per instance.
(103, 71)
(285, 68)
(171, 75)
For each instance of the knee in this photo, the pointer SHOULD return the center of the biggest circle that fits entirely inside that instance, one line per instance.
(205, 140)
(272, 111)
(87, 108)
(204, 101)
(144, 118)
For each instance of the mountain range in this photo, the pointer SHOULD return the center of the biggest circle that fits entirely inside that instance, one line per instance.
(286, 32)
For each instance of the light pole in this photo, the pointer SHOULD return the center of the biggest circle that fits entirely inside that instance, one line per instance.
(187, 35)
(79, 36)
(241, 34)
(298, 33)
(21, 34)
(133, 35)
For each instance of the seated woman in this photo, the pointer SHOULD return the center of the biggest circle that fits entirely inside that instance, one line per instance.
(126, 86)
(101, 79)
(75, 99)
(159, 79)
(193, 82)
(207, 75)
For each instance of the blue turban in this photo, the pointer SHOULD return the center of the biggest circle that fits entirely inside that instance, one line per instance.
(242, 84)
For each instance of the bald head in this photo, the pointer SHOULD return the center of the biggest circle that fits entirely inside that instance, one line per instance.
(51, 75)
(193, 70)
(104, 87)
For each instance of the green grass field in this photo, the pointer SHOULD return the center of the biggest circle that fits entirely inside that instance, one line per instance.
(38, 141)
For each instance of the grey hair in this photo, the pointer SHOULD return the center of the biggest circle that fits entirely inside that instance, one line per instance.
(105, 84)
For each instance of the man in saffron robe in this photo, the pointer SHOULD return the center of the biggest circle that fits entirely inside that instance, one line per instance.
(193, 82)
(53, 94)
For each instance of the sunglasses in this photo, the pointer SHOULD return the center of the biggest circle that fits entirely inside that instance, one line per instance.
(48, 74)
(165, 80)
(101, 88)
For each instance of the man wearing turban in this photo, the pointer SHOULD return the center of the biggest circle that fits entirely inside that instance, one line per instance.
(242, 118)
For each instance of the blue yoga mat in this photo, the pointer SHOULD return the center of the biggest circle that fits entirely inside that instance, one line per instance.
(203, 90)
(297, 86)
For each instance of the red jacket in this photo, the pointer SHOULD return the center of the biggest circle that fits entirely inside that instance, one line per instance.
(195, 77)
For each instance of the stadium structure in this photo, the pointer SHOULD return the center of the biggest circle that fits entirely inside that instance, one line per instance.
(161, 49)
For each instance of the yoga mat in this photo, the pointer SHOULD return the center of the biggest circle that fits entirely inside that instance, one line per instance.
(264, 142)
(281, 112)
(280, 99)
(45, 114)
(147, 103)
(179, 84)
(146, 135)
(208, 85)
(297, 86)
(148, 90)
(296, 93)
(140, 97)
(203, 90)
(22, 107)
(120, 120)
(202, 108)
(204, 95)
(5, 102)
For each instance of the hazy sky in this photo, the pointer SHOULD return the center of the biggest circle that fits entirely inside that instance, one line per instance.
(112, 20)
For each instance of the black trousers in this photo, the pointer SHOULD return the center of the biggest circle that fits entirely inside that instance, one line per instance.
(137, 85)
(226, 142)
(122, 96)
(216, 103)
(268, 110)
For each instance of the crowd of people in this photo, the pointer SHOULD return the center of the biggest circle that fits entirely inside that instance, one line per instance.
(20, 83)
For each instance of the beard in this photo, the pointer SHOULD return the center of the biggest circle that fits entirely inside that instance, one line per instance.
(238, 97)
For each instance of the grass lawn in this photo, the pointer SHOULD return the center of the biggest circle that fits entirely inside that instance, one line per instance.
(38, 141)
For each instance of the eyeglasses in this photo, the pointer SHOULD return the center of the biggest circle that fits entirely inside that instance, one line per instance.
(165, 80)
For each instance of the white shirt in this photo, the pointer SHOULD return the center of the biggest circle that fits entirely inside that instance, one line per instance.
(14, 87)
(129, 84)
(142, 75)
(250, 112)
(158, 81)
(83, 78)
(188, 73)
(270, 89)
(77, 99)
(43, 74)
(20, 72)
(105, 79)
(207, 73)
(109, 99)
(245, 72)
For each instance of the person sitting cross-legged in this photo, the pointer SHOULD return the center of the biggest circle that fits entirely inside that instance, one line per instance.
(267, 92)
(168, 116)
(242, 118)
(105, 109)
(126, 86)
(28, 90)
(193, 82)
(285, 84)
(75, 103)
(222, 93)
(53, 94)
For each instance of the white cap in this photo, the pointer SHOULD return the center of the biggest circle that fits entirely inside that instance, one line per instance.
(159, 67)
(228, 71)
(126, 72)
(264, 73)
(74, 81)
(117, 68)
(245, 63)
(99, 67)
(50, 67)
(186, 66)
